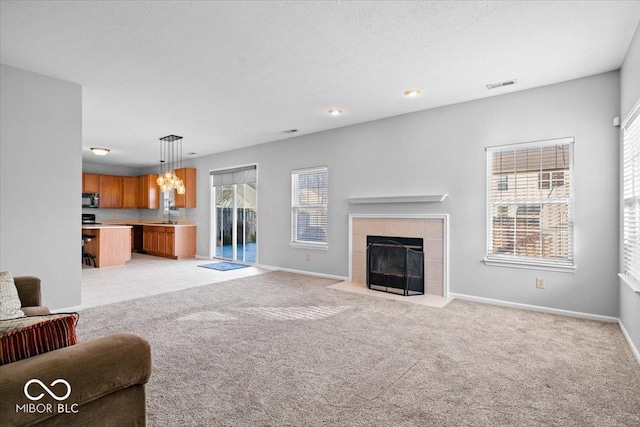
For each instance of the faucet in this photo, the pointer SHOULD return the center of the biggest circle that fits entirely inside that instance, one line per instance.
(168, 208)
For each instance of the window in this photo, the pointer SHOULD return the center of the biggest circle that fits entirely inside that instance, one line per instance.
(309, 196)
(530, 221)
(631, 194)
(503, 183)
(547, 180)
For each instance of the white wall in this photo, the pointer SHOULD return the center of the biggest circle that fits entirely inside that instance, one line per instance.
(629, 95)
(443, 151)
(40, 182)
(108, 169)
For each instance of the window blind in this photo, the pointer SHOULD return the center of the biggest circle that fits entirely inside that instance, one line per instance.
(631, 191)
(241, 175)
(309, 205)
(530, 202)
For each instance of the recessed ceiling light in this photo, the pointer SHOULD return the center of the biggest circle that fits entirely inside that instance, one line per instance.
(412, 92)
(335, 111)
(100, 151)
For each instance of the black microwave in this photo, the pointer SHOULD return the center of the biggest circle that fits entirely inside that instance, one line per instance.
(90, 200)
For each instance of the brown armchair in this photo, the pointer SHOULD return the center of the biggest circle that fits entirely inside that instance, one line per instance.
(107, 378)
(30, 295)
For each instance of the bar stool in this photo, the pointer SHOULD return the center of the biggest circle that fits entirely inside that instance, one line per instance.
(86, 256)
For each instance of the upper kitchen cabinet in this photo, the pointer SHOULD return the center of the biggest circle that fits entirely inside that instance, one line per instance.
(147, 195)
(90, 183)
(111, 191)
(188, 199)
(129, 192)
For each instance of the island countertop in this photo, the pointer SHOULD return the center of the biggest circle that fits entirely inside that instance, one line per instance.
(152, 223)
(163, 224)
(102, 226)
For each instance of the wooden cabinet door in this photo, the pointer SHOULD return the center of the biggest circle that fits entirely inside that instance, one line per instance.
(106, 191)
(147, 197)
(146, 238)
(110, 191)
(162, 240)
(116, 188)
(153, 240)
(188, 199)
(90, 183)
(129, 192)
(141, 184)
(170, 241)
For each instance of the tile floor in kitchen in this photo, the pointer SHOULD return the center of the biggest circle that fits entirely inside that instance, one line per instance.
(147, 275)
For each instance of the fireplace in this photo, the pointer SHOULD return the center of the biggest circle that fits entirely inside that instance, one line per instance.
(432, 228)
(395, 264)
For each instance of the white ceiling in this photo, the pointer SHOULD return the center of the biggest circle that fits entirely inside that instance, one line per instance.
(226, 75)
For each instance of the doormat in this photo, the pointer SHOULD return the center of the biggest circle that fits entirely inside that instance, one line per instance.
(223, 266)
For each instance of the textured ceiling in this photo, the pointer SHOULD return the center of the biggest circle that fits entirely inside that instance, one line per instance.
(227, 75)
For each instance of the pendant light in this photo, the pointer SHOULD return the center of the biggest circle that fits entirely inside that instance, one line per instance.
(170, 160)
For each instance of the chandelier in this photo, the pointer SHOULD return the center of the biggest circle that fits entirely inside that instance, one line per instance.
(170, 160)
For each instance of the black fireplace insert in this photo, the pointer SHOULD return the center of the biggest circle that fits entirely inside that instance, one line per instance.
(395, 264)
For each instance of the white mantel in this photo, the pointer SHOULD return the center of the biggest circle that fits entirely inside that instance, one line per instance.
(433, 198)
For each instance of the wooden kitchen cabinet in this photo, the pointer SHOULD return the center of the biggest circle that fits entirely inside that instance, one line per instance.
(123, 192)
(90, 183)
(105, 191)
(147, 231)
(147, 195)
(188, 199)
(129, 192)
(116, 188)
(110, 191)
(169, 241)
(166, 239)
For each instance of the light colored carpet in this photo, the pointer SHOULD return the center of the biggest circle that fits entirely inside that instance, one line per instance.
(284, 349)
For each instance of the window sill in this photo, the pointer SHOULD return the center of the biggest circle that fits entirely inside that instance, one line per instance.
(312, 246)
(635, 287)
(530, 265)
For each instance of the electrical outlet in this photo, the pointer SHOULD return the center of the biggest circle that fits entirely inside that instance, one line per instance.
(308, 257)
(539, 283)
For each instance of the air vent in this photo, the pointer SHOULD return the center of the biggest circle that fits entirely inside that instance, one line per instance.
(290, 131)
(501, 84)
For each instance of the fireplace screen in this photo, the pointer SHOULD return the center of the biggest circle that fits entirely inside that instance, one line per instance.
(395, 265)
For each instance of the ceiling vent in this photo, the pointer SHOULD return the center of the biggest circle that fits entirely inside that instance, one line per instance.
(290, 131)
(501, 84)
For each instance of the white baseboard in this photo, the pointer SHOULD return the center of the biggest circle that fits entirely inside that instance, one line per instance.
(634, 349)
(67, 309)
(536, 308)
(198, 256)
(306, 273)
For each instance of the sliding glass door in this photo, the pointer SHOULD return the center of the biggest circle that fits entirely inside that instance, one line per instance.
(224, 200)
(234, 213)
(246, 222)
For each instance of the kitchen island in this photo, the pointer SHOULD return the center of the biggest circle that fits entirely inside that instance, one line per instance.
(176, 241)
(109, 244)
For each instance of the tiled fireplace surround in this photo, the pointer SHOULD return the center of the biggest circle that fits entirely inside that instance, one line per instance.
(431, 228)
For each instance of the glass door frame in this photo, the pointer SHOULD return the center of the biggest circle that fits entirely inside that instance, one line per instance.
(213, 219)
